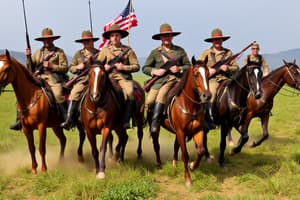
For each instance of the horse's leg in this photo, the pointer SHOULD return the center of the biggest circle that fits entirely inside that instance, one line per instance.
(58, 131)
(140, 135)
(206, 152)
(175, 155)
(264, 123)
(110, 145)
(42, 146)
(93, 141)
(184, 155)
(198, 138)
(123, 138)
(103, 147)
(81, 141)
(224, 131)
(230, 140)
(30, 140)
(156, 146)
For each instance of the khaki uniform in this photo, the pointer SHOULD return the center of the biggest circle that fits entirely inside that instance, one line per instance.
(214, 57)
(154, 61)
(124, 78)
(59, 66)
(255, 59)
(81, 83)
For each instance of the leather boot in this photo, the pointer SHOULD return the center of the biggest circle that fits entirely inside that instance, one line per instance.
(69, 122)
(128, 112)
(17, 126)
(156, 118)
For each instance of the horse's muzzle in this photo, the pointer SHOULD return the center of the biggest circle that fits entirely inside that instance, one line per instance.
(205, 97)
(257, 94)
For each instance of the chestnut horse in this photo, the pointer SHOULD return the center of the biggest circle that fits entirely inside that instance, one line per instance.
(288, 74)
(100, 114)
(230, 105)
(185, 116)
(34, 107)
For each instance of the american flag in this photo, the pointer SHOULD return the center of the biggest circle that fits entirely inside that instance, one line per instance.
(126, 19)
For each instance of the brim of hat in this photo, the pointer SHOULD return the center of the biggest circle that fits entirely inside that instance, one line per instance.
(224, 38)
(81, 40)
(157, 36)
(123, 33)
(43, 38)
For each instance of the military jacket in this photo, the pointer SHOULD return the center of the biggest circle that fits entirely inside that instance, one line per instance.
(214, 56)
(81, 56)
(58, 60)
(255, 59)
(156, 59)
(129, 60)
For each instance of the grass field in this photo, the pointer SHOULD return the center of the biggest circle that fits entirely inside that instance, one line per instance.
(270, 171)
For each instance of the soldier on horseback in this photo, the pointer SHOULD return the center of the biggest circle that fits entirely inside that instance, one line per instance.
(52, 70)
(120, 70)
(78, 64)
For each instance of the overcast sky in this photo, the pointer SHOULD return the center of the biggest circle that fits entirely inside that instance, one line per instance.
(273, 24)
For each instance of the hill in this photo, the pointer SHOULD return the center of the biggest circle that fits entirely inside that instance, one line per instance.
(273, 59)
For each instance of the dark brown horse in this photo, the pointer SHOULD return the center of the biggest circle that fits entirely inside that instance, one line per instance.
(185, 116)
(34, 107)
(288, 74)
(100, 114)
(230, 106)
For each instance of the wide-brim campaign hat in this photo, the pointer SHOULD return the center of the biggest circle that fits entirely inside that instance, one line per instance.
(217, 34)
(164, 30)
(47, 33)
(115, 28)
(86, 35)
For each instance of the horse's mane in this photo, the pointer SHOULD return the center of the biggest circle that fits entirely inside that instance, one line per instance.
(25, 71)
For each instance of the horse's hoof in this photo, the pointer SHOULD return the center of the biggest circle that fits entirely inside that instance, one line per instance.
(80, 159)
(140, 157)
(100, 175)
(174, 163)
(208, 160)
(231, 152)
(188, 183)
(159, 166)
(192, 165)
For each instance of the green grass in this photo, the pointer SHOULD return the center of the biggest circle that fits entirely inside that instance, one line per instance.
(270, 171)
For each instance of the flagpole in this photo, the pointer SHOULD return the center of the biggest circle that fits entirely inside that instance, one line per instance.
(130, 8)
(91, 24)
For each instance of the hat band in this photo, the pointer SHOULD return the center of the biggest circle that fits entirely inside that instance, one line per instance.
(217, 35)
(87, 37)
(47, 35)
(166, 31)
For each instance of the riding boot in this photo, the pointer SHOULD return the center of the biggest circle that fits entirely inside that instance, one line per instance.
(156, 118)
(210, 122)
(62, 109)
(128, 112)
(17, 126)
(69, 122)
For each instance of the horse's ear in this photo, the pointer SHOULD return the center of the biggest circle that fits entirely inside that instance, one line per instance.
(284, 62)
(193, 60)
(7, 54)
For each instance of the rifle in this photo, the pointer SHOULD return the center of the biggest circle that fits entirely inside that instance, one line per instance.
(117, 59)
(28, 57)
(81, 73)
(217, 65)
(40, 67)
(167, 65)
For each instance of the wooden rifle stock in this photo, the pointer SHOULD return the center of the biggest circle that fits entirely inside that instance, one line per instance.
(167, 65)
(217, 65)
(71, 82)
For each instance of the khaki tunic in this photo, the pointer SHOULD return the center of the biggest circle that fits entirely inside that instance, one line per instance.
(264, 64)
(59, 66)
(131, 63)
(213, 57)
(158, 92)
(81, 83)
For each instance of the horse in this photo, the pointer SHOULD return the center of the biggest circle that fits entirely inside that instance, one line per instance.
(271, 84)
(35, 110)
(99, 115)
(185, 116)
(230, 105)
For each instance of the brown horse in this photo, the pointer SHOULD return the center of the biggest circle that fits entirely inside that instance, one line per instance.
(185, 116)
(230, 106)
(288, 74)
(100, 115)
(34, 107)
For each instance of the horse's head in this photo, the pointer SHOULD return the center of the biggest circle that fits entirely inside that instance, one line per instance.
(292, 75)
(200, 75)
(254, 76)
(97, 82)
(5, 67)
